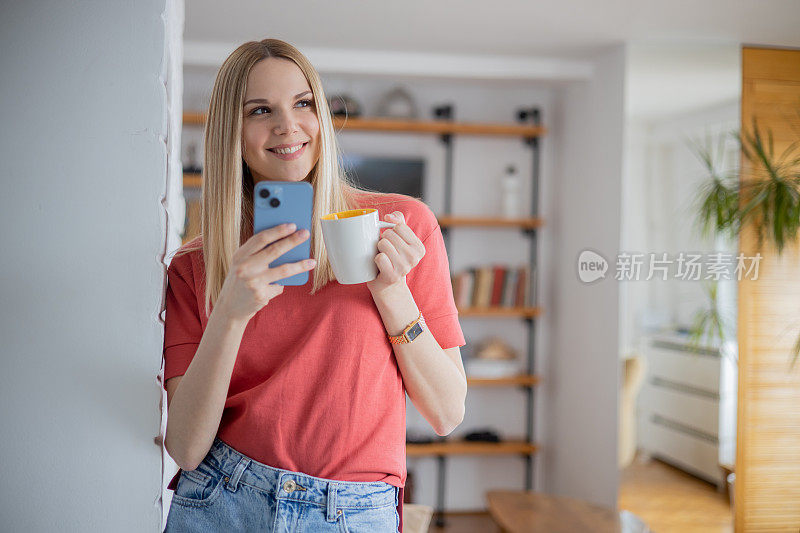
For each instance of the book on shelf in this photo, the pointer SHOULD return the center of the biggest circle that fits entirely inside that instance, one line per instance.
(493, 286)
(483, 287)
(508, 290)
(497, 284)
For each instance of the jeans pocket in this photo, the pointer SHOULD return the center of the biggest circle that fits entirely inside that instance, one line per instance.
(198, 487)
(369, 520)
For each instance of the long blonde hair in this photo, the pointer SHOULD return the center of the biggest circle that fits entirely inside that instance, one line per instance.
(227, 190)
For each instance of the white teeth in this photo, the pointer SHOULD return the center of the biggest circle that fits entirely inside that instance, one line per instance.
(288, 150)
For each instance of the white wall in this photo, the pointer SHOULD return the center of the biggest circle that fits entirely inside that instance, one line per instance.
(677, 94)
(581, 441)
(83, 161)
(670, 182)
(674, 93)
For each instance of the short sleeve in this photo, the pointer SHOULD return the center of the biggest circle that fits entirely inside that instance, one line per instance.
(432, 289)
(182, 327)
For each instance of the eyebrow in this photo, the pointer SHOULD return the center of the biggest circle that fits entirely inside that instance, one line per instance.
(265, 101)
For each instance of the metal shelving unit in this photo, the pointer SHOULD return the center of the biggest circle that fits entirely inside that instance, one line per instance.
(529, 227)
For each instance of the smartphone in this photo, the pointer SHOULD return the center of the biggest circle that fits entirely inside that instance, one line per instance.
(281, 202)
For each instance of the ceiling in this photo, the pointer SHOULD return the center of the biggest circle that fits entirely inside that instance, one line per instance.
(665, 80)
(567, 28)
(682, 54)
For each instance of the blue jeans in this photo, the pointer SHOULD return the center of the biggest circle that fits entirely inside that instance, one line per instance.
(228, 491)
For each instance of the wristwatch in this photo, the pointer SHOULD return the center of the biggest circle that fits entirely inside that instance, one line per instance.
(411, 332)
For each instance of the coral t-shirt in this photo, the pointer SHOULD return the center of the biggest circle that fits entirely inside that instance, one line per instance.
(316, 387)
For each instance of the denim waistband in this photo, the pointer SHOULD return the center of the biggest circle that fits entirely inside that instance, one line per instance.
(297, 486)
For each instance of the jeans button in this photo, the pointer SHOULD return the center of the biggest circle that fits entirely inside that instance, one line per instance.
(289, 486)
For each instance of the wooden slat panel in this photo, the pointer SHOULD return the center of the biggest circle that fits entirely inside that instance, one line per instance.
(771, 64)
(768, 440)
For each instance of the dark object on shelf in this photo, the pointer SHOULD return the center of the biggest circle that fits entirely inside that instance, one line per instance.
(443, 111)
(483, 435)
(387, 174)
(190, 164)
(417, 437)
(344, 105)
(530, 114)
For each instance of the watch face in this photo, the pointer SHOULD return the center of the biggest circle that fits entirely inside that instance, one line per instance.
(414, 331)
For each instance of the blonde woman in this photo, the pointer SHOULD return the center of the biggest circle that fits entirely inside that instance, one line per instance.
(287, 403)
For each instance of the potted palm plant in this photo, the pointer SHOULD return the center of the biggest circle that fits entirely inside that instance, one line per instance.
(766, 195)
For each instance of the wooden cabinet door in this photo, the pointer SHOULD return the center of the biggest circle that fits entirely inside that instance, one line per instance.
(768, 442)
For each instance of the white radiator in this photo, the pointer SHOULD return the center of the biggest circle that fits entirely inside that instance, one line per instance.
(687, 406)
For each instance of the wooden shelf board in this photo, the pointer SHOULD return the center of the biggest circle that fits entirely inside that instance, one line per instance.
(471, 448)
(192, 180)
(415, 126)
(191, 117)
(523, 223)
(528, 312)
(512, 381)
(438, 127)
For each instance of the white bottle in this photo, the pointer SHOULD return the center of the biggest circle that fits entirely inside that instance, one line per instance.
(510, 204)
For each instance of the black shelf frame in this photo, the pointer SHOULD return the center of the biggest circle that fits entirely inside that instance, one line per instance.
(534, 116)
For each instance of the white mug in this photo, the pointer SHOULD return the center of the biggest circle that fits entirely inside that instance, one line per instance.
(351, 240)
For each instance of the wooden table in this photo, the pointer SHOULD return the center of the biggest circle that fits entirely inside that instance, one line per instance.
(527, 512)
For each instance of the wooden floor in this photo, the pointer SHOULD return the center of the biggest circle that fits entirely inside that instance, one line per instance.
(669, 500)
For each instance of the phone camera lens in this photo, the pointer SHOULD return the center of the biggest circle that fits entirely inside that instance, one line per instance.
(274, 202)
(264, 193)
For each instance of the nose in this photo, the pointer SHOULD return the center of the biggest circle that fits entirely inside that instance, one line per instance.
(285, 124)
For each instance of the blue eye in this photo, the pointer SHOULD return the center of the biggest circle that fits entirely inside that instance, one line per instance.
(265, 109)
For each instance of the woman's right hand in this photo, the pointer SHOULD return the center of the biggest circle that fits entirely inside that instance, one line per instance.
(248, 286)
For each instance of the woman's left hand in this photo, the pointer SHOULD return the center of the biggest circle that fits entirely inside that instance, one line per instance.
(399, 250)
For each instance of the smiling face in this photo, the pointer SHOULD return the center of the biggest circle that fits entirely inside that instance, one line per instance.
(280, 129)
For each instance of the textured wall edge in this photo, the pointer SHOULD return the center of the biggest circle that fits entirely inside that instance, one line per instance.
(172, 203)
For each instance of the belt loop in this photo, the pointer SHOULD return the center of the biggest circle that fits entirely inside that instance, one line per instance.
(233, 482)
(331, 514)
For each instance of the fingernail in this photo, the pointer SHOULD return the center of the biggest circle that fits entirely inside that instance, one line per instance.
(291, 227)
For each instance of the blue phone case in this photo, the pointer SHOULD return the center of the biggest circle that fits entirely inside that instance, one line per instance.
(280, 202)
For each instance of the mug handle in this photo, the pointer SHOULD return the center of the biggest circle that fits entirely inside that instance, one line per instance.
(382, 224)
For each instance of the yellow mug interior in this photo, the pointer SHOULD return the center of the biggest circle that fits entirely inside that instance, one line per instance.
(347, 214)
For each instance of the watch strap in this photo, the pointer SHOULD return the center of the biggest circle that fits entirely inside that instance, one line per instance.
(411, 332)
